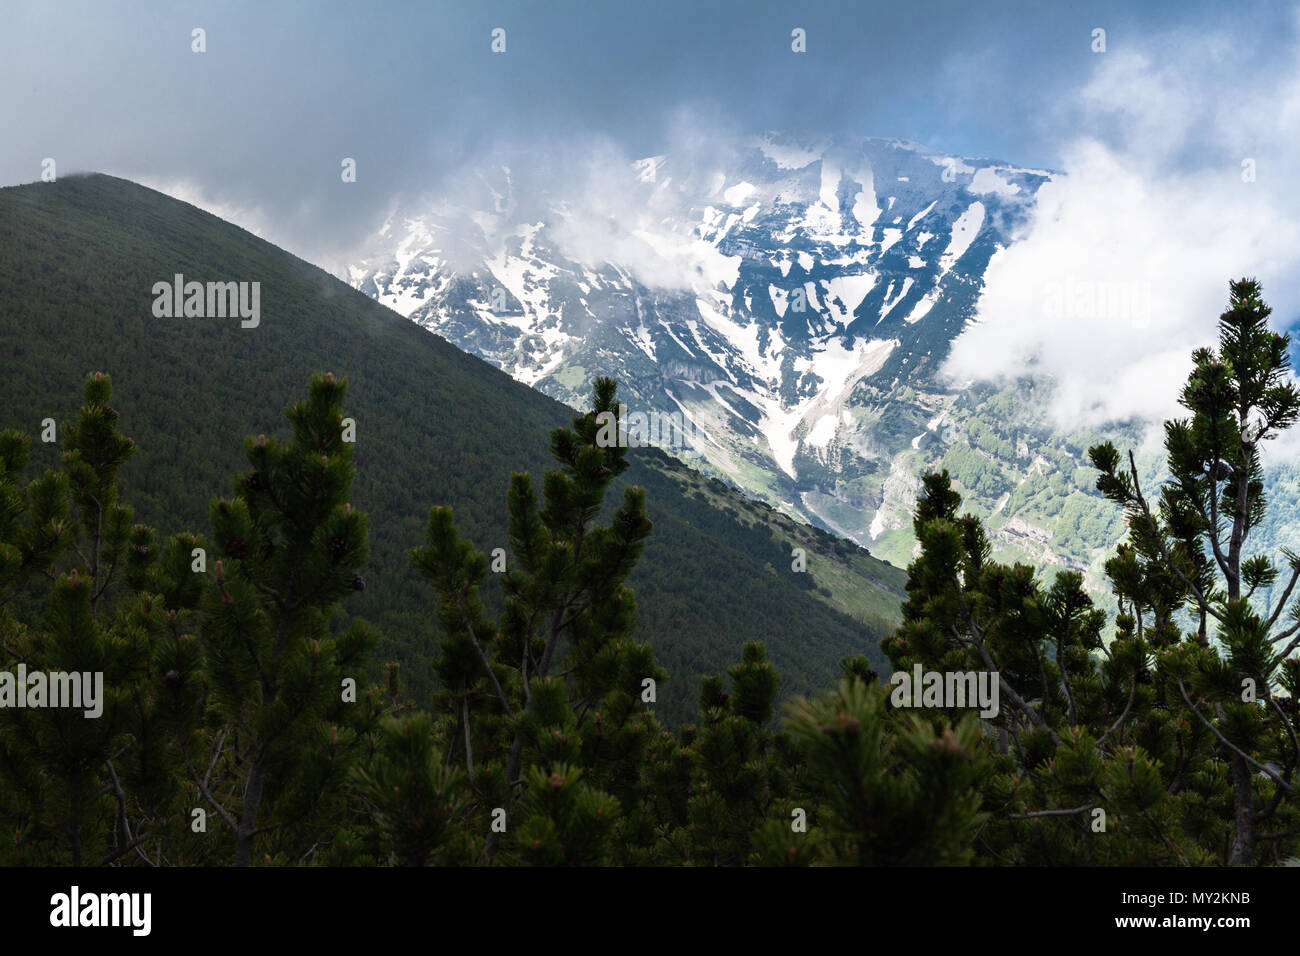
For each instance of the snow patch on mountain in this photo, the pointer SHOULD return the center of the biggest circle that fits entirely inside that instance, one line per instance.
(783, 297)
(964, 231)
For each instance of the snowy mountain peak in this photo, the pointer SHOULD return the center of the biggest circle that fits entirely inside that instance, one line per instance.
(776, 301)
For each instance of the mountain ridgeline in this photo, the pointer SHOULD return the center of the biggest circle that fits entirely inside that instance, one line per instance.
(79, 260)
(793, 297)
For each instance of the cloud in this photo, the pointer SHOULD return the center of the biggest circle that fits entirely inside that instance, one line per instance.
(251, 218)
(1181, 179)
(628, 211)
(333, 252)
(601, 204)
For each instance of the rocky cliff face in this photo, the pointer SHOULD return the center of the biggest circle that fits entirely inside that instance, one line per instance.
(793, 306)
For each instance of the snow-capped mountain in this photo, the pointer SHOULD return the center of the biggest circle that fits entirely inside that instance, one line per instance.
(788, 304)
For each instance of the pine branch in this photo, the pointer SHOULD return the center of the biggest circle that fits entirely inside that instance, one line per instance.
(125, 850)
(1065, 680)
(978, 643)
(1268, 811)
(1295, 744)
(1239, 531)
(99, 530)
(1213, 519)
(523, 668)
(469, 628)
(202, 784)
(469, 746)
(1283, 636)
(108, 577)
(122, 822)
(1279, 834)
(1227, 743)
(568, 622)
(1160, 540)
(85, 563)
(1052, 813)
(1132, 692)
(1286, 595)
(139, 851)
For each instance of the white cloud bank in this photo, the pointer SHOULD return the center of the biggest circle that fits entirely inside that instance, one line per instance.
(1125, 266)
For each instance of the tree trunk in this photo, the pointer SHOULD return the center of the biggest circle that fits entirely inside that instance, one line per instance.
(1243, 799)
(248, 816)
(1238, 531)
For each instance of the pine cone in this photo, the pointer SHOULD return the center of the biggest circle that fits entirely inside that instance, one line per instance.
(1144, 676)
(254, 481)
(336, 546)
(357, 583)
(237, 548)
(174, 679)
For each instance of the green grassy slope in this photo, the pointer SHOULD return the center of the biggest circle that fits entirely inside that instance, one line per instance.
(78, 260)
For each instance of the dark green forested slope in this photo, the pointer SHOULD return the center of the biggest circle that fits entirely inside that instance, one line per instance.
(78, 260)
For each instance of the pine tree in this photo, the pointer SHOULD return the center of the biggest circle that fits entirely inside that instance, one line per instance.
(1077, 744)
(413, 799)
(277, 681)
(738, 780)
(883, 787)
(1158, 746)
(547, 703)
(1189, 548)
(84, 789)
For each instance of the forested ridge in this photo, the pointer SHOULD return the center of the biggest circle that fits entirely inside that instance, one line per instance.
(78, 259)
